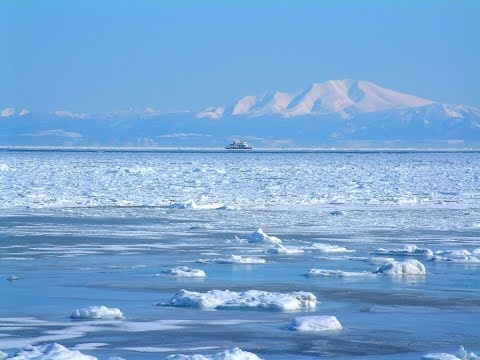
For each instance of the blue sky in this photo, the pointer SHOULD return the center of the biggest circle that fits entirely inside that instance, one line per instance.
(96, 56)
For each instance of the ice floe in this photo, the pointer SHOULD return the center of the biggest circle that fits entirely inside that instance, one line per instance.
(97, 312)
(456, 256)
(260, 237)
(462, 354)
(315, 323)
(284, 250)
(337, 273)
(234, 354)
(253, 299)
(51, 351)
(234, 259)
(89, 346)
(379, 260)
(408, 249)
(406, 267)
(327, 248)
(183, 271)
(193, 205)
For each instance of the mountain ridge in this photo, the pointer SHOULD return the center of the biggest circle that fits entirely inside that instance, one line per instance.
(320, 114)
(344, 97)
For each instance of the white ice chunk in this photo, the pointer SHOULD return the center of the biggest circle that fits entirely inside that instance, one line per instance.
(254, 299)
(379, 260)
(193, 205)
(184, 271)
(315, 323)
(52, 351)
(462, 354)
(408, 249)
(233, 259)
(280, 249)
(97, 312)
(456, 256)
(440, 356)
(337, 273)
(406, 267)
(234, 354)
(327, 248)
(260, 237)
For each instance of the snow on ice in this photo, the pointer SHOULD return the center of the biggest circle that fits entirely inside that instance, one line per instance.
(315, 323)
(97, 312)
(253, 299)
(183, 271)
(406, 267)
(234, 354)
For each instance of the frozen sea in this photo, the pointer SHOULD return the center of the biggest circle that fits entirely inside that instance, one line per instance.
(81, 229)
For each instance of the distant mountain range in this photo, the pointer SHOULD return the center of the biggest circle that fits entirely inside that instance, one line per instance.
(333, 113)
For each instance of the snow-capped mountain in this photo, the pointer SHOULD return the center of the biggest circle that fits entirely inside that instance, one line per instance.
(332, 113)
(345, 98)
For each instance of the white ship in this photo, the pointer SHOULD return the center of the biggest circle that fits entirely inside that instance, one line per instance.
(238, 145)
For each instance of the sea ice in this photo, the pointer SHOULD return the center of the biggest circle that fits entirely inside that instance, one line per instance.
(193, 205)
(407, 249)
(260, 237)
(440, 356)
(315, 323)
(97, 312)
(233, 259)
(254, 299)
(337, 273)
(184, 271)
(461, 355)
(280, 249)
(379, 260)
(406, 267)
(234, 354)
(51, 351)
(456, 256)
(327, 248)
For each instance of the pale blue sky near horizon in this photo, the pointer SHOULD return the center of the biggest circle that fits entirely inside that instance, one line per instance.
(97, 56)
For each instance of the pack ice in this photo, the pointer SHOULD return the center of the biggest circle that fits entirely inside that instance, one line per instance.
(251, 299)
(461, 355)
(457, 256)
(233, 259)
(315, 323)
(406, 267)
(327, 248)
(234, 354)
(283, 250)
(52, 351)
(408, 249)
(97, 312)
(184, 271)
(193, 205)
(260, 237)
(336, 273)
